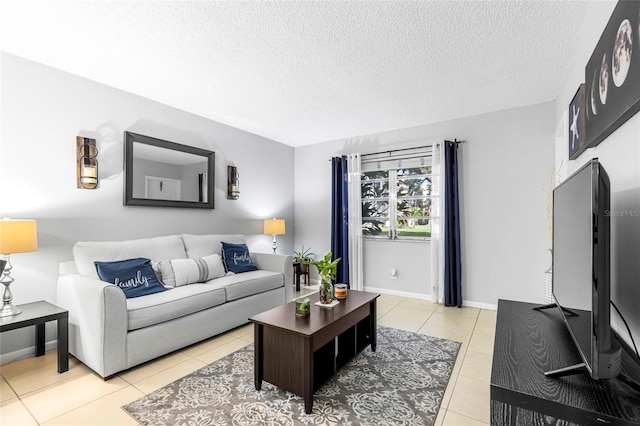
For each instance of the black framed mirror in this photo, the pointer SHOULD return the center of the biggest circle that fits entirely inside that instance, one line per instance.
(167, 174)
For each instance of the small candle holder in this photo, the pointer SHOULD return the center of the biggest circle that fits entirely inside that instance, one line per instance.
(340, 291)
(303, 307)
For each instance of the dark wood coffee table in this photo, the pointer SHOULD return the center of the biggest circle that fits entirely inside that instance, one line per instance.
(298, 354)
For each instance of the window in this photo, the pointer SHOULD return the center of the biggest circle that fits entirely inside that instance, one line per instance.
(396, 202)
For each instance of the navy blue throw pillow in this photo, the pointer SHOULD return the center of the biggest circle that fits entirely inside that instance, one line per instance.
(236, 258)
(134, 276)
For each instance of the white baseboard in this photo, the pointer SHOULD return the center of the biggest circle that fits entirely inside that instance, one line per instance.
(400, 293)
(481, 305)
(26, 352)
(430, 298)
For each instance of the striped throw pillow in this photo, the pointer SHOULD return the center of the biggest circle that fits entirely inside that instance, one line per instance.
(178, 272)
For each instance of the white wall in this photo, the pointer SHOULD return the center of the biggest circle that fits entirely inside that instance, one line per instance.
(504, 166)
(42, 112)
(411, 260)
(620, 156)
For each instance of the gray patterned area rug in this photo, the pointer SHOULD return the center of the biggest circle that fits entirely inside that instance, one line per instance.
(402, 383)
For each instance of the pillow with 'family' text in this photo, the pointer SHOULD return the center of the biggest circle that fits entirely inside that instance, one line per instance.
(236, 258)
(134, 276)
(178, 272)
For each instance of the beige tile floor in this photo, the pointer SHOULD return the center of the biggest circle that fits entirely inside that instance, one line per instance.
(33, 393)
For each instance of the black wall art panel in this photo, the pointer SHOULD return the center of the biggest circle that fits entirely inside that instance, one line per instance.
(577, 143)
(612, 75)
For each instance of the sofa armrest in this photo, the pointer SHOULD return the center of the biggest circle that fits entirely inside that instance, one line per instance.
(277, 263)
(97, 322)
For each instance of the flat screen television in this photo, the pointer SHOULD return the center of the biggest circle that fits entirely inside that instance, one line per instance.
(581, 269)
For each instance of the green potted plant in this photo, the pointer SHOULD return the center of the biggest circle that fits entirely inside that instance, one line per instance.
(303, 307)
(304, 257)
(327, 269)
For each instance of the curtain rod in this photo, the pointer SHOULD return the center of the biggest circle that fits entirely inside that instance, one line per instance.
(385, 159)
(397, 150)
(394, 157)
(405, 149)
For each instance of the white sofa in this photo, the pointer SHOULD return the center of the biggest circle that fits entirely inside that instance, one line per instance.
(110, 333)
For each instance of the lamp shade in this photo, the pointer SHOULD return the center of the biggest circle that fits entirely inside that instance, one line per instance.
(274, 227)
(18, 236)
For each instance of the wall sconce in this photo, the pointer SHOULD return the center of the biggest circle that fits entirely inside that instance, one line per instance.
(233, 183)
(274, 227)
(87, 163)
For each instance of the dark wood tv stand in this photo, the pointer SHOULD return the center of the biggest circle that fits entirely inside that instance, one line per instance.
(530, 342)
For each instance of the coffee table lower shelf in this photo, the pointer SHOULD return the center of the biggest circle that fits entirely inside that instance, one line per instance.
(302, 357)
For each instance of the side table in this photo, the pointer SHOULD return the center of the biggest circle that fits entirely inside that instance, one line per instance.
(39, 313)
(299, 271)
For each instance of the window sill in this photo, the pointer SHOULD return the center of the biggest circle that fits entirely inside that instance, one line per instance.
(399, 240)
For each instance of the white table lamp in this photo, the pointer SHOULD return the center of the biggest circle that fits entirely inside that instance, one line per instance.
(274, 227)
(16, 236)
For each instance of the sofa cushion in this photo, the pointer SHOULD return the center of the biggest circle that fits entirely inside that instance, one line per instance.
(249, 283)
(174, 303)
(177, 272)
(85, 253)
(236, 258)
(204, 245)
(133, 276)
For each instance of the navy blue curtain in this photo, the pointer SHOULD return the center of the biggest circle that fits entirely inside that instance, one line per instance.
(340, 218)
(452, 263)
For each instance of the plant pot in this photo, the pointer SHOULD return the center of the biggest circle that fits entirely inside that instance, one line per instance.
(303, 307)
(326, 290)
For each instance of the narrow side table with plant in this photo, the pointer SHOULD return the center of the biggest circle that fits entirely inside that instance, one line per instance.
(301, 261)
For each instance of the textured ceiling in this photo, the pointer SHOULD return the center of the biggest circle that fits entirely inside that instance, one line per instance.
(308, 71)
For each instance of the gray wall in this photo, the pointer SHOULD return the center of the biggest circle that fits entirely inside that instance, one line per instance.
(503, 168)
(143, 168)
(620, 156)
(189, 176)
(43, 110)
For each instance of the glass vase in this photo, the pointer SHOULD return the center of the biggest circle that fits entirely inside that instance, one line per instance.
(326, 290)
(302, 307)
